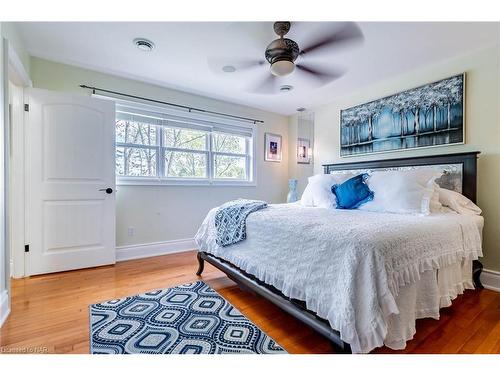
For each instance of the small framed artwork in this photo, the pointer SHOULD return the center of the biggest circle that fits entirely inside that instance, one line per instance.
(303, 151)
(272, 150)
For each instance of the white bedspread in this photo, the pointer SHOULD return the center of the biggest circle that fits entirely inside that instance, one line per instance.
(347, 265)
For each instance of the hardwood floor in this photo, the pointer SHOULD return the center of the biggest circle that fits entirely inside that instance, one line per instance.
(50, 312)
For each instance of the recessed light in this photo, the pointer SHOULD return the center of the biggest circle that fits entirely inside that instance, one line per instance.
(286, 88)
(144, 44)
(228, 69)
(301, 109)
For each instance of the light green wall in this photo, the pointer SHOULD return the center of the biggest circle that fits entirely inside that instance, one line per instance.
(162, 213)
(482, 116)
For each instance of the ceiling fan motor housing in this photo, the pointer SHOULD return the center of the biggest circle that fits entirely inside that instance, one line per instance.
(282, 49)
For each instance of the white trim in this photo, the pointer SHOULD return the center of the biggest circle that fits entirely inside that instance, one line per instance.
(20, 77)
(491, 280)
(154, 249)
(16, 68)
(17, 182)
(4, 307)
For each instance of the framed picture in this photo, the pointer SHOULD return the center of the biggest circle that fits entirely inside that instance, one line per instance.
(303, 151)
(272, 150)
(426, 116)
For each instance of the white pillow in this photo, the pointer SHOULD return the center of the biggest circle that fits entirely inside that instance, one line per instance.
(401, 191)
(435, 205)
(318, 192)
(457, 202)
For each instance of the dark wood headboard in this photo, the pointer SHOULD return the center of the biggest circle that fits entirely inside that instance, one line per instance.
(468, 160)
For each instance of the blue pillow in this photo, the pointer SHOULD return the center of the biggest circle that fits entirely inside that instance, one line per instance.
(352, 193)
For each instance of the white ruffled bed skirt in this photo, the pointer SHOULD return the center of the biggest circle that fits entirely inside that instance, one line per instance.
(424, 298)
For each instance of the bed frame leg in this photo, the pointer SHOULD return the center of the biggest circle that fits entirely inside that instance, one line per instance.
(201, 264)
(477, 268)
(345, 348)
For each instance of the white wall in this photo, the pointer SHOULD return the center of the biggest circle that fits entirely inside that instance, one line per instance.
(163, 213)
(482, 129)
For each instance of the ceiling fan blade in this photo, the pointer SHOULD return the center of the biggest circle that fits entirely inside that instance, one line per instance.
(216, 64)
(349, 33)
(266, 86)
(319, 74)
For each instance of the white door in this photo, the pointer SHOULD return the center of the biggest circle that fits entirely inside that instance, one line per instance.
(70, 181)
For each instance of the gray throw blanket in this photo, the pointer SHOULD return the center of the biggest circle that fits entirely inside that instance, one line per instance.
(230, 220)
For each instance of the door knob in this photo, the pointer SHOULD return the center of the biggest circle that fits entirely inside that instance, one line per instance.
(107, 190)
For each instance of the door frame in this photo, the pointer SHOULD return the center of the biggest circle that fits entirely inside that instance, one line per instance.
(16, 204)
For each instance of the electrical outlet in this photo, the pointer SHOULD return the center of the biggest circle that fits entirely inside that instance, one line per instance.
(131, 231)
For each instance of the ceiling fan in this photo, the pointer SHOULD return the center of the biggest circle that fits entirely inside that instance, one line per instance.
(282, 54)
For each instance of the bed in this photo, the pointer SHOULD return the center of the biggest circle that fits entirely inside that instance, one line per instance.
(358, 298)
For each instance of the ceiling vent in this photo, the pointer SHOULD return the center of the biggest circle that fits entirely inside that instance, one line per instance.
(228, 69)
(144, 44)
(286, 88)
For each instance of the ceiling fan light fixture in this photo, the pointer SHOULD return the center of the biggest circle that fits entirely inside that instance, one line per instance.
(282, 68)
(282, 53)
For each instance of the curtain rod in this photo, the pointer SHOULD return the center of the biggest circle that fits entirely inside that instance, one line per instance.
(94, 89)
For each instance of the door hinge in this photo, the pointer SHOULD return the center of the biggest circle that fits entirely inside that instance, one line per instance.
(26, 248)
(26, 107)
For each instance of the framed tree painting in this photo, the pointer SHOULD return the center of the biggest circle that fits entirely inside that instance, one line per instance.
(272, 151)
(426, 116)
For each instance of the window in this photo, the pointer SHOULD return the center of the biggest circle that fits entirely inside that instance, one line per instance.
(162, 148)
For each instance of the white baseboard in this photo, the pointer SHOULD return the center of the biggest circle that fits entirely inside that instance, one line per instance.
(154, 249)
(491, 279)
(4, 307)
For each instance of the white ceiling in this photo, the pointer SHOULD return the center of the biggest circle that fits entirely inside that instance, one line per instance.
(180, 58)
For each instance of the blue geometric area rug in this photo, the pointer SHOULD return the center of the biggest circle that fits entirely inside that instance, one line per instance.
(187, 319)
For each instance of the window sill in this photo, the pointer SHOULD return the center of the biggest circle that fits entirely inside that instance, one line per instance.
(156, 182)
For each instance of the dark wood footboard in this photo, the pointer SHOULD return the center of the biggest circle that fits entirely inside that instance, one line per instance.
(294, 307)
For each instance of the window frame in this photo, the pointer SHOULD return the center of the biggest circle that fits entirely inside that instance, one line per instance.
(247, 155)
(161, 149)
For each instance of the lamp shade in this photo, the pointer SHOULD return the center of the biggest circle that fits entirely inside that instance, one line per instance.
(282, 68)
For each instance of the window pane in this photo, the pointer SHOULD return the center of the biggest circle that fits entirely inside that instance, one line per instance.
(229, 143)
(185, 164)
(132, 161)
(185, 138)
(135, 132)
(230, 167)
